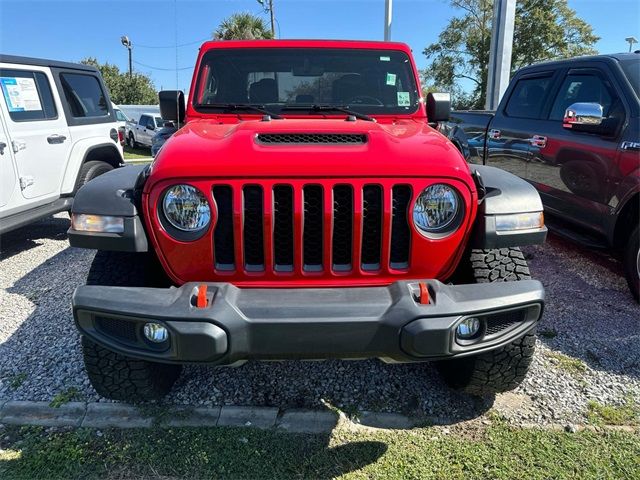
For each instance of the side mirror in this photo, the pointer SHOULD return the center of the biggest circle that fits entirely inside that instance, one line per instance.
(438, 107)
(583, 115)
(172, 105)
(151, 126)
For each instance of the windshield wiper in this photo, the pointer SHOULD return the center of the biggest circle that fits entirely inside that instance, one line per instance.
(239, 106)
(328, 108)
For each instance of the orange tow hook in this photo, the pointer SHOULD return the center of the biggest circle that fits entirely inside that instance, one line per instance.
(425, 298)
(201, 302)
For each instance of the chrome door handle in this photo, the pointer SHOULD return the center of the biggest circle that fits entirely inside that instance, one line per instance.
(55, 138)
(2, 147)
(538, 141)
(494, 134)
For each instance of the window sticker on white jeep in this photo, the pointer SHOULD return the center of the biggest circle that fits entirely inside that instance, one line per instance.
(391, 78)
(385, 59)
(403, 99)
(21, 94)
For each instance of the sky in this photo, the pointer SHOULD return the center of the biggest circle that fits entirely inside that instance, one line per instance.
(73, 29)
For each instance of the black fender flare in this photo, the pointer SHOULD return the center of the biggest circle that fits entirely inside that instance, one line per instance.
(115, 193)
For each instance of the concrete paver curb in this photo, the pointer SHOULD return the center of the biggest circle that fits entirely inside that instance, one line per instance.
(260, 417)
(41, 413)
(307, 421)
(117, 415)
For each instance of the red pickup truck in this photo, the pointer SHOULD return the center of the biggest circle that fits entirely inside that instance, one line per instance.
(306, 210)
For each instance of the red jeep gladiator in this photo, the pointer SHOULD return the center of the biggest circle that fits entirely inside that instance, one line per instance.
(306, 210)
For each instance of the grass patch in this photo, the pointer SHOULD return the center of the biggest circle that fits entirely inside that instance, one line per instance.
(498, 451)
(17, 380)
(627, 414)
(136, 153)
(572, 366)
(66, 396)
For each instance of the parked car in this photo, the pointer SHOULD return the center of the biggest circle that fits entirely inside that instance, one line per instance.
(141, 132)
(325, 235)
(161, 136)
(57, 131)
(572, 129)
(122, 120)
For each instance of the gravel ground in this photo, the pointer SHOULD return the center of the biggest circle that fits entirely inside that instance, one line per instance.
(588, 348)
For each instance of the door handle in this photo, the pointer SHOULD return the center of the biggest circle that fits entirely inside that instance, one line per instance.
(494, 134)
(55, 138)
(538, 141)
(2, 147)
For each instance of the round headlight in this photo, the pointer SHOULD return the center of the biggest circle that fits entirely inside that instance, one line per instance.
(436, 209)
(186, 208)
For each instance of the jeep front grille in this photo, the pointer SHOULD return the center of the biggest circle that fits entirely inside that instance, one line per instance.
(311, 227)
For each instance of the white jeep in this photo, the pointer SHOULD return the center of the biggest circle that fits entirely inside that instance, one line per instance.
(58, 130)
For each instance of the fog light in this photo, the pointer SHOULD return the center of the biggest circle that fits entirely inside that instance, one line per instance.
(155, 332)
(97, 223)
(468, 328)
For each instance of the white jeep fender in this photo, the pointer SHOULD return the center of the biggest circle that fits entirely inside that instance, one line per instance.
(80, 152)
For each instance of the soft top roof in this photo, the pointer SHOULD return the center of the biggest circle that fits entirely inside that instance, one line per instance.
(42, 62)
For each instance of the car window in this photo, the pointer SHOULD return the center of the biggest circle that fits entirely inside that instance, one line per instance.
(159, 122)
(27, 95)
(150, 123)
(84, 95)
(528, 97)
(121, 116)
(589, 88)
(143, 120)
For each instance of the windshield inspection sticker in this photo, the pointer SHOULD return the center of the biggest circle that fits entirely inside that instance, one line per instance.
(391, 78)
(385, 59)
(403, 99)
(21, 94)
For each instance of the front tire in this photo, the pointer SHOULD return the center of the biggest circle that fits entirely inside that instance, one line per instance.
(89, 171)
(631, 260)
(117, 376)
(132, 141)
(504, 368)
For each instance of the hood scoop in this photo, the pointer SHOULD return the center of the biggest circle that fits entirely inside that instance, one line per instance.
(311, 138)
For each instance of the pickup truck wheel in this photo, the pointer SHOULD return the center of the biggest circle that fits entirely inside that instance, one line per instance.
(632, 263)
(132, 141)
(504, 368)
(117, 376)
(89, 171)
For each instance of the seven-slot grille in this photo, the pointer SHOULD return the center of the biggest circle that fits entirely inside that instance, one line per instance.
(311, 227)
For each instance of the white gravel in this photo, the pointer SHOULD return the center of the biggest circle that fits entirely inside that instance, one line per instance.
(589, 310)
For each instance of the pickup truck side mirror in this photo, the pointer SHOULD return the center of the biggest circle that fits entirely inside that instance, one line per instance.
(581, 115)
(172, 105)
(438, 107)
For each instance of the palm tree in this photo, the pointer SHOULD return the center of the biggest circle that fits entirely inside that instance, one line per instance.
(242, 26)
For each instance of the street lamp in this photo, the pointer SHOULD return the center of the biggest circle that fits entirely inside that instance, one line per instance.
(127, 43)
(631, 41)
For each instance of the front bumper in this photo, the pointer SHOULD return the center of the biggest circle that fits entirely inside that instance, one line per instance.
(307, 323)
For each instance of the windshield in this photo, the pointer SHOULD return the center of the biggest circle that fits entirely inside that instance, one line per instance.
(366, 81)
(632, 71)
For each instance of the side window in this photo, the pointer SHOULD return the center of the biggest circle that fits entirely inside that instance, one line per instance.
(27, 95)
(120, 116)
(528, 97)
(143, 120)
(589, 88)
(84, 95)
(150, 123)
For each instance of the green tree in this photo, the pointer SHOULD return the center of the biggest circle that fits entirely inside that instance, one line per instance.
(544, 30)
(137, 89)
(242, 26)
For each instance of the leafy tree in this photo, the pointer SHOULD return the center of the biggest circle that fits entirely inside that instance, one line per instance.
(543, 30)
(242, 26)
(137, 89)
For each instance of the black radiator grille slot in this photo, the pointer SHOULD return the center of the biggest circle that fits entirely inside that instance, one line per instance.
(253, 231)
(223, 240)
(498, 322)
(342, 227)
(371, 227)
(400, 232)
(117, 328)
(283, 228)
(312, 138)
(313, 229)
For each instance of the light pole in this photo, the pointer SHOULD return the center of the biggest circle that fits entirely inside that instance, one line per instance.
(388, 9)
(127, 43)
(631, 41)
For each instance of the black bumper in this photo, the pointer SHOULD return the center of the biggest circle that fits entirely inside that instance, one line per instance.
(307, 323)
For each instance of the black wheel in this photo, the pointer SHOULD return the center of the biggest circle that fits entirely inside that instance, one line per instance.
(504, 368)
(631, 262)
(91, 170)
(113, 375)
(132, 141)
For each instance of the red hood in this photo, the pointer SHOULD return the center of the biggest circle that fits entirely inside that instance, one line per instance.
(405, 148)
